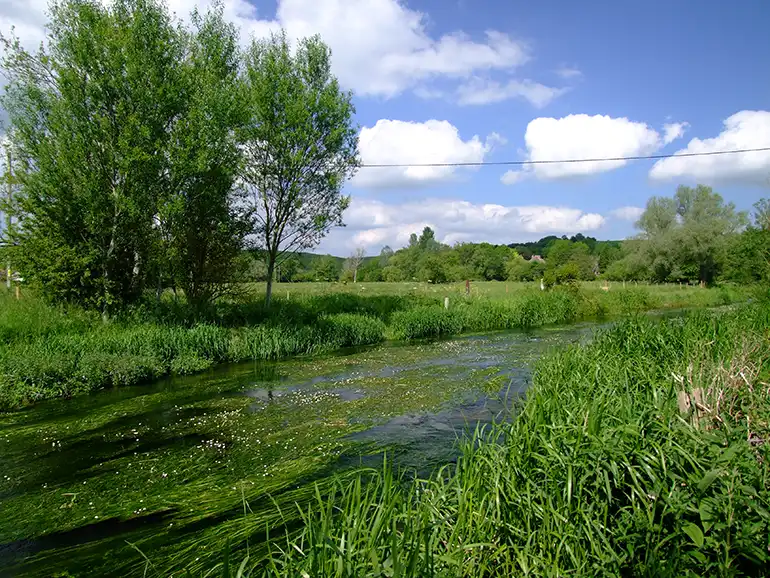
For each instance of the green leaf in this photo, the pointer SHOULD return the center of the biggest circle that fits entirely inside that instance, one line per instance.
(708, 479)
(706, 514)
(695, 534)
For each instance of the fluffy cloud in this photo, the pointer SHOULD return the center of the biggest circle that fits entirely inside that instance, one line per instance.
(673, 131)
(372, 224)
(582, 136)
(401, 142)
(380, 47)
(485, 91)
(627, 213)
(744, 130)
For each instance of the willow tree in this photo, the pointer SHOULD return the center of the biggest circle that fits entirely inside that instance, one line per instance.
(299, 146)
(687, 235)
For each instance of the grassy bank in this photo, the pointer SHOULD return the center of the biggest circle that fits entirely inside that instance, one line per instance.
(50, 352)
(601, 472)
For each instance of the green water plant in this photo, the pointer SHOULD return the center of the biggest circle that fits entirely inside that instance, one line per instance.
(602, 472)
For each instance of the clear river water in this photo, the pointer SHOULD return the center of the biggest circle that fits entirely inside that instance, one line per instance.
(154, 479)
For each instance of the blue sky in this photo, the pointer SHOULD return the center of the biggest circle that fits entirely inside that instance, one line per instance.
(484, 80)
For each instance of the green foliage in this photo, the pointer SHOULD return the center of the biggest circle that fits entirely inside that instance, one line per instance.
(202, 227)
(89, 118)
(597, 473)
(122, 130)
(300, 145)
(570, 261)
(326, 268)
(686, 237)
(519, 269)
(748, 258)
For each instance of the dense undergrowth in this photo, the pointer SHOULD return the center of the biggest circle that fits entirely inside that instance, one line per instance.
(48, 352)
(604, 472)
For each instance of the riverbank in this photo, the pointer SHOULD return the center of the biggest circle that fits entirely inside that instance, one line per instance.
(50, 353)
(605, 471)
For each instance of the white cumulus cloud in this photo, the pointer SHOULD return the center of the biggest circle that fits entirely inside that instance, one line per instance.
(747, 129)
(512, 177)
(580, 136)
(627, 213)
(380, 47)
(402, 142)
(485, 91)
(373, 223)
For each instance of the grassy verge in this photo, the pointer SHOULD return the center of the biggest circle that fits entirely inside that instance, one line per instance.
(603, 472)
(49, 352)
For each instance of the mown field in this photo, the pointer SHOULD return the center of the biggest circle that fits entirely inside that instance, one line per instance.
(48, 352)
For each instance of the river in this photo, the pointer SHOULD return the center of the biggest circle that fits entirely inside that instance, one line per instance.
(153, 479)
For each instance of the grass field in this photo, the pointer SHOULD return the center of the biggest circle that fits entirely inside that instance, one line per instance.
(48, 352)
(488, 289)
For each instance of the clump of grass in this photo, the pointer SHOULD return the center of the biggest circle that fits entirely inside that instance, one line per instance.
(30, 317)
(71, 363)
(526, 309)
(600, 473)
(424, 322)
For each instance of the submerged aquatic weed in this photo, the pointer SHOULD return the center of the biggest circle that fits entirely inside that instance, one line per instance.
(599, 474)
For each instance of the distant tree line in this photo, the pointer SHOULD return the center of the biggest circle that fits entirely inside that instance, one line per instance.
(693, 237)
(426, 259)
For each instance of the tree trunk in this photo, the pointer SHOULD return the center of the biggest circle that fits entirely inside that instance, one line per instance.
(355, 275)
(270, 271)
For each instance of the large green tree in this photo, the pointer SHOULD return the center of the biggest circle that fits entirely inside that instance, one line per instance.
(687, 236)
(299, 144)
(89, 116)
(748, 258)
(203, 224)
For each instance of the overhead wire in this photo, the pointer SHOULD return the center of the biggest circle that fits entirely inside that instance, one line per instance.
(557, 161)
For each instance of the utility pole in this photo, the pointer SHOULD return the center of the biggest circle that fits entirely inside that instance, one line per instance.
(8, 177)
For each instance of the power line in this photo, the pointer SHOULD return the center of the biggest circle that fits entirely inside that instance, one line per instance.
(552, 162)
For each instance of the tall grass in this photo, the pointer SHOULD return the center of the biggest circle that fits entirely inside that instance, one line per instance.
(48, 352)
(600, 473)
(62, 365)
